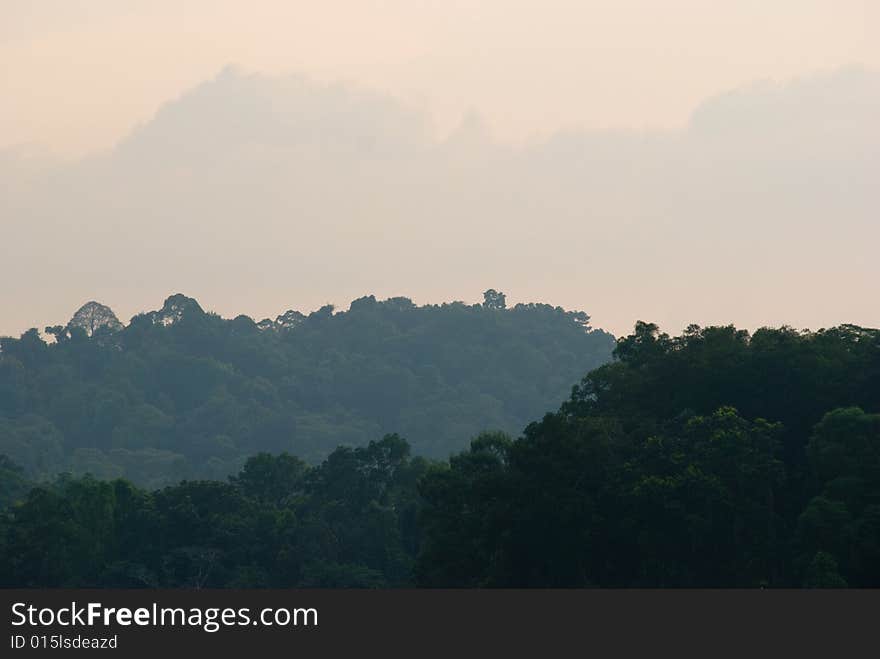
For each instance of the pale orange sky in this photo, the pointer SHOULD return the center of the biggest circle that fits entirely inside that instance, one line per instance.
(77, 75)
(623, 156)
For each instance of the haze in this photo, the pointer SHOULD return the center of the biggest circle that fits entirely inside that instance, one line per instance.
(679, 162)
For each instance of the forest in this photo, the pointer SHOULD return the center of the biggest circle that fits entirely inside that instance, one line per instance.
(180, 393)
(716, 458)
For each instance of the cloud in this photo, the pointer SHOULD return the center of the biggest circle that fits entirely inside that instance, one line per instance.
(256, 194)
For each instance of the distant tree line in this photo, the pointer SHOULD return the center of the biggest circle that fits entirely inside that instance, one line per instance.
(715, 458)
(180, 393)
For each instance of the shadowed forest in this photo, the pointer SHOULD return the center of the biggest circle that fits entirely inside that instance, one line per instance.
(396, 445)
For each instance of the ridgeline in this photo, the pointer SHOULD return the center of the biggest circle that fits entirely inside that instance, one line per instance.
(181, 393)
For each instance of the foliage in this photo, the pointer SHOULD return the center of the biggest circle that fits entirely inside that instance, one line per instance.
(346, 523)
(716, 458)
(712, 459)
(181, 393)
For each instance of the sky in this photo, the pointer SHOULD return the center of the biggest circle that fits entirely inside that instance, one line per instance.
(680, 162)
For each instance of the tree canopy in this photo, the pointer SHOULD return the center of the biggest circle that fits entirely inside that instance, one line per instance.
(182, 393)
(717, 458)
(349, 522)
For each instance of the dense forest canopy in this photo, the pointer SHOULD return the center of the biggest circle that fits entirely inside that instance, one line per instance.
(181, 393)
(351, 521)
(715, 458)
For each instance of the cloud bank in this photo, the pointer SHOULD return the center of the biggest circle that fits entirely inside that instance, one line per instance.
(256, 194)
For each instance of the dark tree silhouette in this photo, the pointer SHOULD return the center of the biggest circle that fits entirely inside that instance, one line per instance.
(92, 317)
(493, 299)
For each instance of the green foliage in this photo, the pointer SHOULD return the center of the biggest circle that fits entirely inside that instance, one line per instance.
(13, 483)
(349, 522)
(181, 393)
(844, 521)
(823, 573)
(712, 459)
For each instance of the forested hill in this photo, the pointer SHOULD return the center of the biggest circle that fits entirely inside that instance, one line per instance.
(183, 393)
(714, 458)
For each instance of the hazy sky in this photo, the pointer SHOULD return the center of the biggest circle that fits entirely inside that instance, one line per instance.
(678, 161)
(78, 74)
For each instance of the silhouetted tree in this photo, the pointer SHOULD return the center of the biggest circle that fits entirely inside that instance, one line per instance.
(93, 317)
(493, 299)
